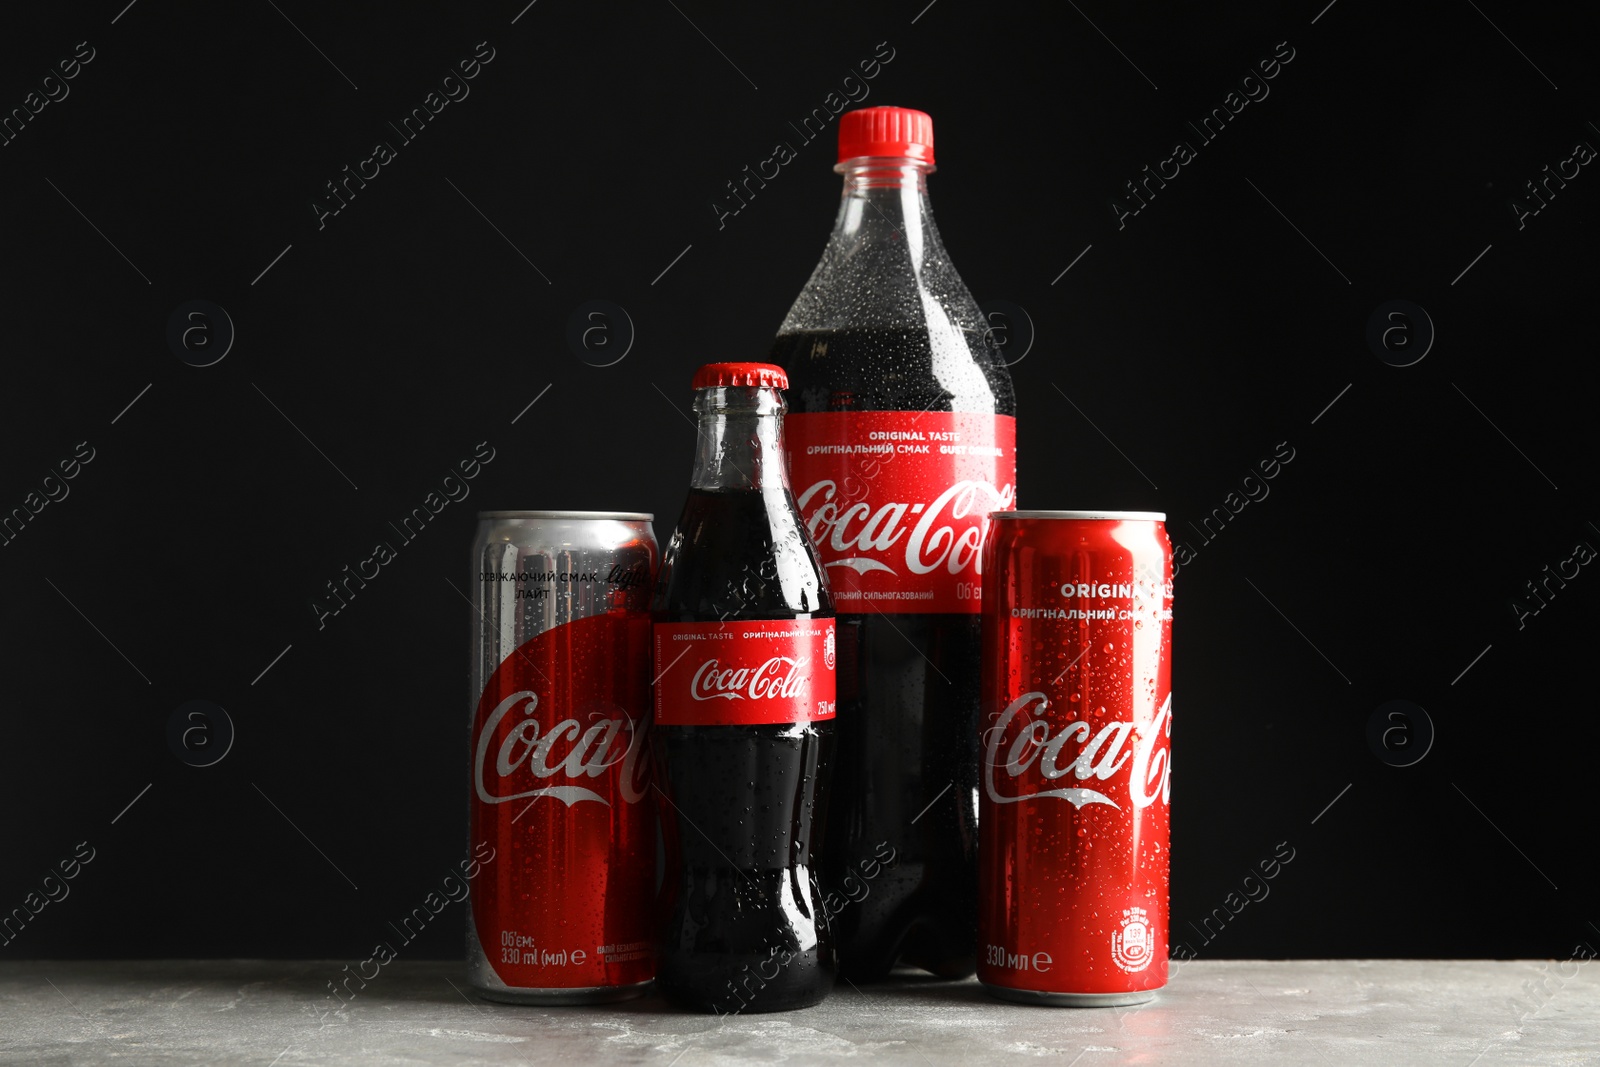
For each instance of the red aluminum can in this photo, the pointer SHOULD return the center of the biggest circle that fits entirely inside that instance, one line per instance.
(1075, 728)
(563, 831)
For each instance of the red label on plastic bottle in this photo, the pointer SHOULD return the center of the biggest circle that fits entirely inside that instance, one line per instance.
(898, 503)
(744, 673)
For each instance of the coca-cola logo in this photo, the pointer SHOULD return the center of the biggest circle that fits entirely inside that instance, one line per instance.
(1023, 745)
(779, 678)
(555, 757)
(947, 532)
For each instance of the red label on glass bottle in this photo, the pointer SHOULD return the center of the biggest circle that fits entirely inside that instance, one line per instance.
(744, 672)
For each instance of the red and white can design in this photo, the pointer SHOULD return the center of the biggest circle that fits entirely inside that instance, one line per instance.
(560, 747)
(1075, 734)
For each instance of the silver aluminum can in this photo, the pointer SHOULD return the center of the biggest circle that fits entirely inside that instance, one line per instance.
(562, 874)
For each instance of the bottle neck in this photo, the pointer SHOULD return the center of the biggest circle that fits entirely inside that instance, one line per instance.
(740, 439)
(886, 200)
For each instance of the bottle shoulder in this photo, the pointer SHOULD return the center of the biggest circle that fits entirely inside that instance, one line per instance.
(886, 323)
(856, 286)
(740, 554)
(901, 369)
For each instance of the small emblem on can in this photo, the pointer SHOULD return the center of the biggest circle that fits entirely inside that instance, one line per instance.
(827, 650)
(1130, 943)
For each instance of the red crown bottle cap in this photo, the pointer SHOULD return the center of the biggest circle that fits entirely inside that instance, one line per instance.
(886, 131)
(716, 375)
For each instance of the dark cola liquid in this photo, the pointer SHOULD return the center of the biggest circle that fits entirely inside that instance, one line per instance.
(908, 699)
(742, 922)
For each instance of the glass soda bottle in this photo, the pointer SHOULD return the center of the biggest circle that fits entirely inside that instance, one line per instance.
(744, 657)
(902, 438)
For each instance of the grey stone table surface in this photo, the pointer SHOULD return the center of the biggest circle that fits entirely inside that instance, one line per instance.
(279, 1013)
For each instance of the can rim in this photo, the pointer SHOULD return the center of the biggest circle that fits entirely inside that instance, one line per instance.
(1122, 516)
(621, 516)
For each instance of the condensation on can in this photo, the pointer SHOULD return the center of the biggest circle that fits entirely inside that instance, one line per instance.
(1075, 726)
(559, 738)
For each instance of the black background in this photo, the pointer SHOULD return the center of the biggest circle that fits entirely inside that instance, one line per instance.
(410, 327)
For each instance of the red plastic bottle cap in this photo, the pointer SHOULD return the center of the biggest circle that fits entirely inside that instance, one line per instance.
(886, 131)
(716, 375)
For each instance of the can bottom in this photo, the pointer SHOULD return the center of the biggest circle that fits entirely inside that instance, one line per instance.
(1071, 1000)
(604, 994)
